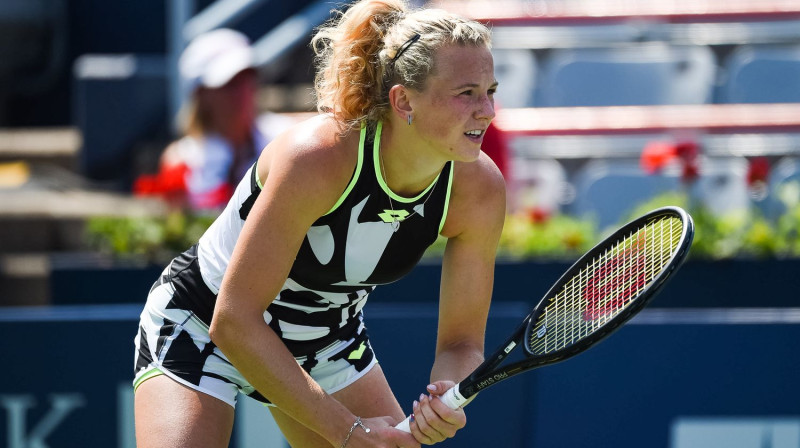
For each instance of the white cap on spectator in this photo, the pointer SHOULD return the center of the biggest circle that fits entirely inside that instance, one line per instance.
(214, 58)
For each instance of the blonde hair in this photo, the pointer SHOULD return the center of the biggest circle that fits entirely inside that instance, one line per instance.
(357, 54)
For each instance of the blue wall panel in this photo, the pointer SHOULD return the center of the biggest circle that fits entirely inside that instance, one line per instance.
(669, 365)
(80, 357)
(627, 391)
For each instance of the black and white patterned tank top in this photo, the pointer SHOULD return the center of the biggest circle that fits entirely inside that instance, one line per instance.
(371, 236)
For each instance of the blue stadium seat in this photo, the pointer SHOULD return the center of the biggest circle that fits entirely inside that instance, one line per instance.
(783, 187)
(722, 186)
(642, 74)
(516, 71)
(609, 190)
(539, 183)
(762, 74)
(119, 101)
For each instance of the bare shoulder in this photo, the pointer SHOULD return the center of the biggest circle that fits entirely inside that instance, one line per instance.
(312, 154)
(480, 180)
(478, 197)
(316, 142)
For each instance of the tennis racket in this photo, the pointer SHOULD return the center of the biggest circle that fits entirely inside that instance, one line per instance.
(600, 292)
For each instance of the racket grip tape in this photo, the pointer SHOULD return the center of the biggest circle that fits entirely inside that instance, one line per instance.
(452, 398)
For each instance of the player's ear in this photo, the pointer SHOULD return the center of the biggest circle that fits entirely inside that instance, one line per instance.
(401, 102)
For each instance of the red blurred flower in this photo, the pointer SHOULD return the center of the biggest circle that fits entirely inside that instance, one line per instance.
(757, 171)
(688, 152)
(538, 215)
(656, 155)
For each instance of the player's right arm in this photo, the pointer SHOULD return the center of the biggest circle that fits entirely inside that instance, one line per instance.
(304, 171)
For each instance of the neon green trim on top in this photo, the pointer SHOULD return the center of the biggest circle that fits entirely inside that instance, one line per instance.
(152, 373)
(357, 173)
(352, 181)
(258, 181)
(447, 197)
(376, 159)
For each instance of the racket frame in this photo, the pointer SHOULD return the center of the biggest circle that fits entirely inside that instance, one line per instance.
(485, 375)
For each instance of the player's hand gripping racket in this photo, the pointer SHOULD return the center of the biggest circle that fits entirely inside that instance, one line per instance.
(601, 291)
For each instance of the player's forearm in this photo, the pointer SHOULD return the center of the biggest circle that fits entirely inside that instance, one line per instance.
(262, 358)
(456, 361)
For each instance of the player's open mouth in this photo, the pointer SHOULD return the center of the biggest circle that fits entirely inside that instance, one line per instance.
(476, 134)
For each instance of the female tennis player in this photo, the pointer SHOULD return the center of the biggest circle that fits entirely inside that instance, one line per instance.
(269, 302)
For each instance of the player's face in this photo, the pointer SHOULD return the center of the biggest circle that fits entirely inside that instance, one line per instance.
(456, 105)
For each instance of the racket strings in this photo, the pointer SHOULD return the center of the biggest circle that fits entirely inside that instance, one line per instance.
(608, 283)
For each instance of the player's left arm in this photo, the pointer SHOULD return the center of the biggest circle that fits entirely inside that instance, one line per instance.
(473, 226)
(474, 223)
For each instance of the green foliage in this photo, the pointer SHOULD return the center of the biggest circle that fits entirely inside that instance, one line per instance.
(558, 236)
(788, 232)
(739, 234)
(151, 238)
(744, 234)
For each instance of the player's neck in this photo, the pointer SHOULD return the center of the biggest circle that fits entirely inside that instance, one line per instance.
(407, 165)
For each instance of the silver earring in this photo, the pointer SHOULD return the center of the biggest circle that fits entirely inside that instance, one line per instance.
(409, 119)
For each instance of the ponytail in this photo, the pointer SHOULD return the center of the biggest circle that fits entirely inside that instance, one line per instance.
(349, 77)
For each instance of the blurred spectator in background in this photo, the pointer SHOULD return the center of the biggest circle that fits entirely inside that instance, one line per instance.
(222, 136)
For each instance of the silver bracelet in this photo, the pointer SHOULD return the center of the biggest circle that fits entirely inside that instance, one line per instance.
(356, 424)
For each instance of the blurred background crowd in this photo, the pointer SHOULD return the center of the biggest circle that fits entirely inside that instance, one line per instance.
(123, 126)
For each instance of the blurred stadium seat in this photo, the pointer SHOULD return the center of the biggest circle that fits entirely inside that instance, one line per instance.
(722, 186)
(762, 74)
(539, 184)
(783, 187)
(119, 102)
(609, 190)
(515, 70)
(33, 51)
(642, 74)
